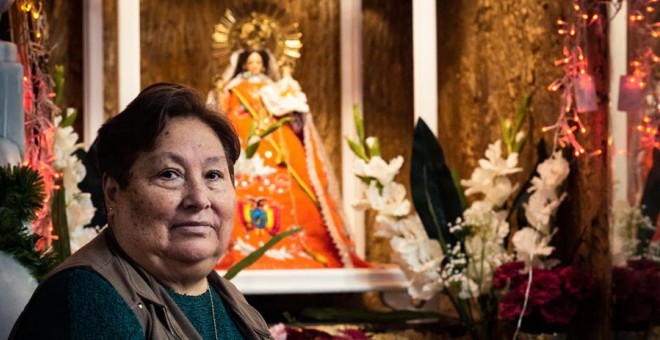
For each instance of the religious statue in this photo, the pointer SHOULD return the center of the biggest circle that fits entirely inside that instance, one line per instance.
(283, 178)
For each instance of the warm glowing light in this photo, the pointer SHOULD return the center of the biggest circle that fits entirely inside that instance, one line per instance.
(640, 128)
(576, 7)
(561, 31)
(561, 22)
(650, 9)
(581, 150)
(585, 16)
(26, 164)
(583, 130)
(577, 153)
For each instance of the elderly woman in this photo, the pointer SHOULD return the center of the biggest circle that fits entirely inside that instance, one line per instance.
(167, 163)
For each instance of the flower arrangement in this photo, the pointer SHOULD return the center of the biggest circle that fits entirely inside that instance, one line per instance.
(78, 205)
(636, 258)
(463, 253)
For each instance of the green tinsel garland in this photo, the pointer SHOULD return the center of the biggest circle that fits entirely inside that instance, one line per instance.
(21, 195)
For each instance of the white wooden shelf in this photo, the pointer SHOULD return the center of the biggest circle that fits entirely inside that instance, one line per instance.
(306, 281)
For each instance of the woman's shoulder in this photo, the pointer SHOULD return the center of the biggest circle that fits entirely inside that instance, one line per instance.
(79, 303)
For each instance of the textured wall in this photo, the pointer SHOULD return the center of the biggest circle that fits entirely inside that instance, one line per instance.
(388, 90)
(176, 47)
(491, 54)
(65, 26)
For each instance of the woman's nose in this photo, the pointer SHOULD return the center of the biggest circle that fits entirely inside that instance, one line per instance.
(196, 196)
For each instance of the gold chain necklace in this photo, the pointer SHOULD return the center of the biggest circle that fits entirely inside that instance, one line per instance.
(215, 325)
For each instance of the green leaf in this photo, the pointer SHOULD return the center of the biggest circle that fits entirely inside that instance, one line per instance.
(374, 149)
(459, 187)
(255, 255)
(522, 112)
(58, 87)
(69, 119)
(357, 149)
(275, 126)
(434, 195)
(359, 124)
(253, 128)
(251, 149)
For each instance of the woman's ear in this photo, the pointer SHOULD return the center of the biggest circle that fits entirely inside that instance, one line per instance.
(110, 190)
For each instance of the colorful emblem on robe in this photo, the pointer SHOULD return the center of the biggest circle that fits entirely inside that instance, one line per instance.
(260, 216)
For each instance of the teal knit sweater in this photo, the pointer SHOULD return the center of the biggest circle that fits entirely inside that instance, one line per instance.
(80, 304)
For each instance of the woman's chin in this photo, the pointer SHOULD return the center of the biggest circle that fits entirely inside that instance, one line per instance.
(196, 252)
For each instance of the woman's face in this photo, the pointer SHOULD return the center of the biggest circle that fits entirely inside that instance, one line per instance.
(254, 63)
(175, 217)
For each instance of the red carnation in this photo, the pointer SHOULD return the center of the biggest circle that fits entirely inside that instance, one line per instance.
(546, 286)
(559, 310)
(577, 283)
(512, 303)
(507, 272)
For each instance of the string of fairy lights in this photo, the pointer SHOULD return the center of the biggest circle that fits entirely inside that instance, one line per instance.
(644, 31)
(39, 111)
(576, 88)
(639, 92)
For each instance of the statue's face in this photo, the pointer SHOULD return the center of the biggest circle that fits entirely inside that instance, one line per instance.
(254, 64)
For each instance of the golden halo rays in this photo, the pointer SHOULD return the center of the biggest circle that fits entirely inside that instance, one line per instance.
(257, 26)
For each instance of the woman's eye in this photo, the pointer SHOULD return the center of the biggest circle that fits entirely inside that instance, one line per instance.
(168, 174)
(214, 175)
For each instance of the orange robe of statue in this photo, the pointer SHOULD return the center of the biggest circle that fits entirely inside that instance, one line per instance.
(290, 188)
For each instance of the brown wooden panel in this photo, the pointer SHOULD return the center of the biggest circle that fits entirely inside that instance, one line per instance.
(388, 90)
(176, 47)
(111, 53)
(65, 21)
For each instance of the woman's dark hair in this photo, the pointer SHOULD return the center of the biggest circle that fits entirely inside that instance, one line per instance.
(136, 129)
(242, 59)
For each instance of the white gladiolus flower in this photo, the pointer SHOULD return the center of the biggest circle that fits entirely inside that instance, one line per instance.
(378, 169)
(490, 177)
(495, 163)
(540, 208)
(81, 236)
(519, 136)
(370, 141)
(79, 207)
(552, 173)
(420, 258)
(392, 200)
(527, 242)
